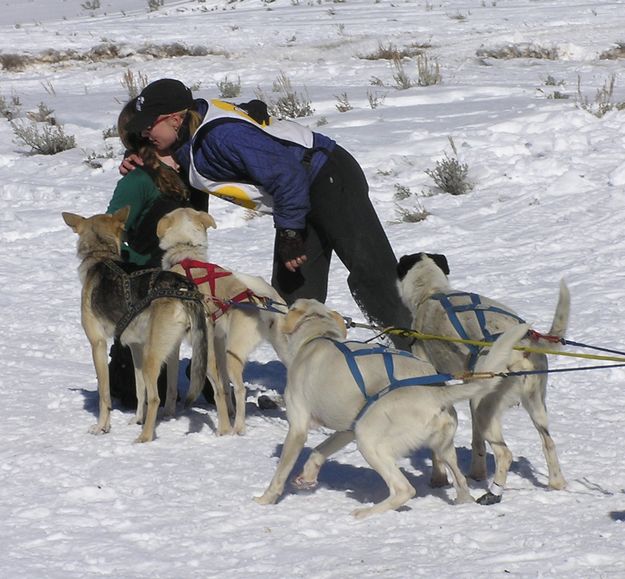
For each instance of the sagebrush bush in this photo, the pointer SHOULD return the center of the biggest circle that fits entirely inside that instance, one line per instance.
(103, 51)
(429, 72)
(603, 99)
(412, 215)
(375, 99)
(134, 84)
(615, 53)
(511, 51)
(450, 175)
(10, 109)
(15, 62)
(343, 105)
(43, 114)
(44, 139)
(289, 103)
(229, 89)
(401, 78)
(390, 52)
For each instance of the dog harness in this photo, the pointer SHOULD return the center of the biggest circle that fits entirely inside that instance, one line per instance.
(141, 287)
(460, 302)
(223, 295)
(388, 356)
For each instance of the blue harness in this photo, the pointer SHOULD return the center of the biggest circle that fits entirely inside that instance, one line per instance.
(475, 305)
(387, 355)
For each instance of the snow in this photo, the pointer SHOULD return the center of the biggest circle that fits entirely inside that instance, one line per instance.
(548, 203)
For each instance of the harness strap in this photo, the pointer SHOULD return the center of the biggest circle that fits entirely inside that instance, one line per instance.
(212, 275)
(134, 307)
(245, 298)
(388, 356)
(475, 305)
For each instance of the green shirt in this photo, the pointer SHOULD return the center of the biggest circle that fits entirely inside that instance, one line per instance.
(136, 189)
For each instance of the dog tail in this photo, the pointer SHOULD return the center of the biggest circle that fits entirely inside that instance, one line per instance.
(563, 309)
(199, 344)
(495, 362)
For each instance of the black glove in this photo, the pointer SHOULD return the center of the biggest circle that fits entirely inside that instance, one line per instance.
(290, 244)
(257, 110)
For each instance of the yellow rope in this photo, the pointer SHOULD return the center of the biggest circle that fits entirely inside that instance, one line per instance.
(420, 336)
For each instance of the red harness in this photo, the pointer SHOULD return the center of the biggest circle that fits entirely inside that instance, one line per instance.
(213, 273)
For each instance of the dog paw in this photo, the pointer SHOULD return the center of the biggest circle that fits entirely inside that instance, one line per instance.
(144, 438)
(489, 499)
(302, 484)
(266, 499)
(169, 413)
(439, 482)
(557, 485)
(97, 429)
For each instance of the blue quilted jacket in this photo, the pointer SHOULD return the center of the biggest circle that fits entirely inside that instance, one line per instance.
(240, 152)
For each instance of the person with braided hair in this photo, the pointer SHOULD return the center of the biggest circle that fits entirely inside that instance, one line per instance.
(316, 191)
(152, 191)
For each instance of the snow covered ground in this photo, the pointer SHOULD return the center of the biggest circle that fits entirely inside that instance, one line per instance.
(548, 203)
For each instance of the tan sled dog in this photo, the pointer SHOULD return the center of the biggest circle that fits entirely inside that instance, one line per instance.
(382, 409)
(150, 311)
(243, 309)
(439, 310)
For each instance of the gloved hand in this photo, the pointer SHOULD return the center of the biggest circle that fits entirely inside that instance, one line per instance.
(290, 248)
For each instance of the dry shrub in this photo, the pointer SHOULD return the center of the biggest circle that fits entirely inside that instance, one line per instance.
(44, 139)
(391, 52)
(14, 62)
(615, 53)
(511, 51)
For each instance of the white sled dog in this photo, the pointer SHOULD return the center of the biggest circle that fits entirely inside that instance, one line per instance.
(149, 310)
(439, 310)
(243, 309)
(372, 394)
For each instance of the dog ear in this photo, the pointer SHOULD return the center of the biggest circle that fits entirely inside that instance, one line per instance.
(291, 319)
(340, 322)
(405, 264)
(163, 225)
(440, 260)
(207, 220)
(72, 220)
(122, 214)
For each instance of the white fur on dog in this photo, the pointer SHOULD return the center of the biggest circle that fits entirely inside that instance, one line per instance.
(321, 389)
(423, 280)
(238, 331)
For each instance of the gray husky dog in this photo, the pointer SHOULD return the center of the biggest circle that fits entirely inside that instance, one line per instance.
(149, 310)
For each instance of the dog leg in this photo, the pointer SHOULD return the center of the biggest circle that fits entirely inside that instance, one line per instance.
(335, 442)
(241, 338)
(535, 406)
(491, 431)
(173, 362)
(478, 445)
(439, 472)
(293, 444)
(137, 362)
(235, 373)
(447, 453)
(151, 370)
(381, 459)
(219, 386)
(100, 361)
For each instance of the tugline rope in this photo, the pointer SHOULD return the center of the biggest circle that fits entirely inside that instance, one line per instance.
(404, 332)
